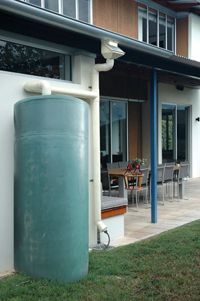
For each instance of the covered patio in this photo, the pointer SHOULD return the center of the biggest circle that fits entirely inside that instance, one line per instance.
(173, 214)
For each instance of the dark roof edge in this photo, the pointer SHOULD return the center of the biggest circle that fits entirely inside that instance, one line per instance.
(47, 17)
(51, 18)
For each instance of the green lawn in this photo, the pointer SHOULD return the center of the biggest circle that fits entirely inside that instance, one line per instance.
(166, 267)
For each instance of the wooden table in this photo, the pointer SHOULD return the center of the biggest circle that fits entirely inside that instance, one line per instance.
(122, 174)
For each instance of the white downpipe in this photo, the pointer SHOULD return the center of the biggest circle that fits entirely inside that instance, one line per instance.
(45, 88)
(95, 105)
(104, 67)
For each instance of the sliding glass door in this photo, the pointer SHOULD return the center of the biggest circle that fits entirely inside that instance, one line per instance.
(113, 131)
(175, 133)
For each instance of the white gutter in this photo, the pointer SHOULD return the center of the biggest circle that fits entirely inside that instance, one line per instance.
(45, 88)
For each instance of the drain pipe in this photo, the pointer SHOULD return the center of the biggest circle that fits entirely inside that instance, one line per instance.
(110, 51)
(95, 112)
(45, 88)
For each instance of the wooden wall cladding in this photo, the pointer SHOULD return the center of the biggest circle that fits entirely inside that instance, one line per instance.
(182, 36)
(135, 130)
(117, 15)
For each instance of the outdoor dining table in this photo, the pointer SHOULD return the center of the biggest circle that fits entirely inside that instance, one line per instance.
(123, 174)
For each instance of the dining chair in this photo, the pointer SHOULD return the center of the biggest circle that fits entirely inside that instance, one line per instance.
(112, 181)
(182, 177)
(123, 164)
(168, 178)
(140, 187)
(170, 163)
(160, 180)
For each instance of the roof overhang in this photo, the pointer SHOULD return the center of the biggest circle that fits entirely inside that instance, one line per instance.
(88, 37)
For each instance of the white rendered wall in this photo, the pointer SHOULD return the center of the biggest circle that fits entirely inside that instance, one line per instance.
(115, 226)
(169, 94)
(11, 91)
(194, 37)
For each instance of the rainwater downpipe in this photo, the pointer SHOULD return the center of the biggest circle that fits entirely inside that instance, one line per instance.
(95, 106)
(45, 88)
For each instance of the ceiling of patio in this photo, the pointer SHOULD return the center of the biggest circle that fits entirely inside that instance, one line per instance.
(144, 73)
(130, 80)
(182, 5)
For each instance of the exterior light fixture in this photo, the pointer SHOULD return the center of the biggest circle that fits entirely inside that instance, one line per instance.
(197, 119)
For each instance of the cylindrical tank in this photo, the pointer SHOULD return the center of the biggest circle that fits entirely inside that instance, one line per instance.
(51, 187)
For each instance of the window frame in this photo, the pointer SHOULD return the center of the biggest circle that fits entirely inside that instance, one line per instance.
(112, 100)
(43, 45)
(145, 9)
(60, 9)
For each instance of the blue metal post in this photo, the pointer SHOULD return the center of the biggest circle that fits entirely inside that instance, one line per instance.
(153, 127)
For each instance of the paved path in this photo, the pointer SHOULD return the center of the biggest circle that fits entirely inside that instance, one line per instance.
(173, 214)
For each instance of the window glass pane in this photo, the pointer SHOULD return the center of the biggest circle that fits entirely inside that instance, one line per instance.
(29, 60)
(51, 5)
(170, 33)
(168, 133)
(152, 27)
(105, 133)
(69, 8)
(35, 2)
(162, 31)
(84, 10)
(142, 24)
(182, 133)
(119, 131)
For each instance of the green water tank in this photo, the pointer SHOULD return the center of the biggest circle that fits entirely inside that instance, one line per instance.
(51, 187)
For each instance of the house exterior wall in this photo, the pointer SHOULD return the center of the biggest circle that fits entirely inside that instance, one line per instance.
(182, 32)
(117, 15)
(194, 38)
(170, 95)
(12, 91)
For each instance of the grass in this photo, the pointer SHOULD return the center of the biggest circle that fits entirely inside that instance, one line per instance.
(166, 267)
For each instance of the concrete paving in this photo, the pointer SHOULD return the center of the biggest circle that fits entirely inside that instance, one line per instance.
(172, 214)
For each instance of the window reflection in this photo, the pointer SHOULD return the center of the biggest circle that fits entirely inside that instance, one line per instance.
(84, 9)
(149, 31)
(118, 131)
(175, 132)
(69, 8)
(113, 131)
(105, 133)
(51, 5)
(77, 9)
(30, 60)
(153, 27)
(162, 30)
(170, 33)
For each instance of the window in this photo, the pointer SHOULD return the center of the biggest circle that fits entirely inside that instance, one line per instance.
(24, 59)
(153, 27)
(162, 30)
(77, 9)
(175, 132)
(113, 131)
(156, 28)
